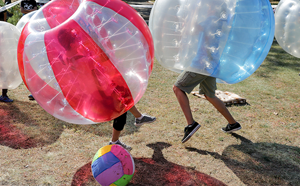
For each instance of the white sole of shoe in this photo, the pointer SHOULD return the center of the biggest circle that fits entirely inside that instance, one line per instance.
(232, 130)
(190, 135)
(138, 125)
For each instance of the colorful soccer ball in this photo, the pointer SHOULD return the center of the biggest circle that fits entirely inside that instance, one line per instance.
(86, 61)
(113, 166)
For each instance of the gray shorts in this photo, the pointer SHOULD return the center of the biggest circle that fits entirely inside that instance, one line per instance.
(187, 81)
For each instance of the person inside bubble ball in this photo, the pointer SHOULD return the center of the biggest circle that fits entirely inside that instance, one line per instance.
(3, 17)
(187, 81)
(209, 36)
(69, 39)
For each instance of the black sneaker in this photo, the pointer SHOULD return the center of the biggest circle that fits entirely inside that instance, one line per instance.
(231, 128)
(31, 98)
(5, 99)
(145, 119)
(189, 131)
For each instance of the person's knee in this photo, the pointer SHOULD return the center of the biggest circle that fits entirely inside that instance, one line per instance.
(175, 89)
(210, 98)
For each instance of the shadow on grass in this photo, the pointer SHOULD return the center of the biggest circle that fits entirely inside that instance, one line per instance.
(84, 176)
(105, 129)
(277, 57)
(260, 163)
(154, 171)
(25, 125)
(20, 130)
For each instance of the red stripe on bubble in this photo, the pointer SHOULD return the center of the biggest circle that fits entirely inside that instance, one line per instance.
(39, 88)
(58, 12)
(88, 79)
(20, 51)
(134, 17)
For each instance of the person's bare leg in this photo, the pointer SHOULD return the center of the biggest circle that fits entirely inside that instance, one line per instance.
(134, 111)
(141, 119)
(115, 135)
(184, 104)
(115, 138)
(220, 106)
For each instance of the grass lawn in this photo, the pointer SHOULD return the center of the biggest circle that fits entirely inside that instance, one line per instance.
(38, 149)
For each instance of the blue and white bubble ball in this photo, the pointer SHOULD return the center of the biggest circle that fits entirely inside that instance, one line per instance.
(287, 26)
(226, 39)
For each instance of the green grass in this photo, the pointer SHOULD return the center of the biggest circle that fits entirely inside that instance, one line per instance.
(38, 149)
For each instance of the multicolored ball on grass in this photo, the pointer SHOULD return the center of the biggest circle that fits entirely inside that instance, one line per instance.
(113, 166)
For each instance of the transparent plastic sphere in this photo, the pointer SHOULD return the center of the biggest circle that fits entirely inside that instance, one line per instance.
(10, 77)
(287, 26)
(226, 39)
(86, 62)
(24, 19)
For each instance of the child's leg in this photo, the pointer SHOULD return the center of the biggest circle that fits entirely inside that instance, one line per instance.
(184, 104)
(115, 135)
(141, 119)
(4, 97)
(4, 92)
(118, 126)
(220, 106)
(135, 112)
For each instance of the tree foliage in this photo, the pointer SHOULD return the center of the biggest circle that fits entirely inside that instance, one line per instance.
(14, 14)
